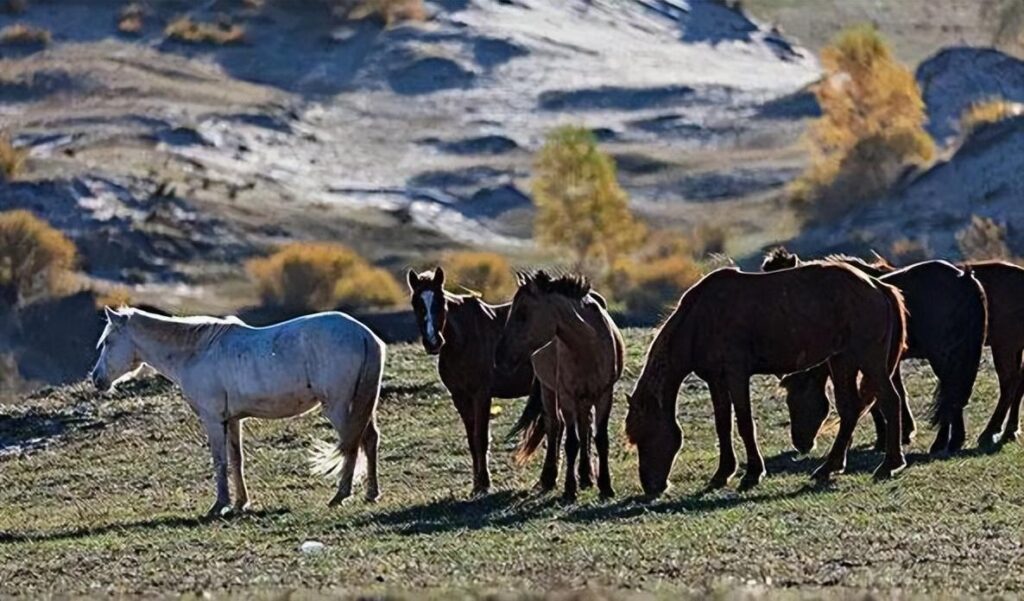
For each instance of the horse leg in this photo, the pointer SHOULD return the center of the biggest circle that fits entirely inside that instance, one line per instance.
(553, 427)
(236, 454)
(892, 407)
(739, 394)
(723, 427)
(465, 408)
(908, 424)
(1007, 362)
(371, 443)
(348, 447)
(216, 433)
(1012, 430)
(583, 425)
(482, 440)
(604, 476)
(879, 421)
(572, 448)
(849, 406)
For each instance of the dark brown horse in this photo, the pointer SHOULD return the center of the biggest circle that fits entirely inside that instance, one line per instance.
(732, 325)
(946, 326)
(577, 354)
(1004, 288)
(463, 331)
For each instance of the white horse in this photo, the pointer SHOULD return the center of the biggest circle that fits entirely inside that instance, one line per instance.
(229, 371)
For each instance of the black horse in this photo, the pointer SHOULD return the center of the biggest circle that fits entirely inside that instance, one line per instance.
(946, 326)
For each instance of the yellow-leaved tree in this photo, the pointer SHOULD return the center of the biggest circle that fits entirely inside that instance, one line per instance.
(581, 208)
(871, 128)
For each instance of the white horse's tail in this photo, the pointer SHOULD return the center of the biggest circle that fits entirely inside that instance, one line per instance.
(328, 461)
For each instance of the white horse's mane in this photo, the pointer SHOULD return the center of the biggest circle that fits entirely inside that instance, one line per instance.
(195, 326)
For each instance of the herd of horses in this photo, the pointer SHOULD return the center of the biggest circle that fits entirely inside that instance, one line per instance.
(839, 318)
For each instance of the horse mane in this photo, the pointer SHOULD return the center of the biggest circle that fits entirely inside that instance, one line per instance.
(879, 266)
(779, 258)
(570, 285)
(179, 332)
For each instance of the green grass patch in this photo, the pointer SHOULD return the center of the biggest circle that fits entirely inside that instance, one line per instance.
(112, 505)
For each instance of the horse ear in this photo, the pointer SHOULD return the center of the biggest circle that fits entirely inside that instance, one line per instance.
(413, 280)
(439, 276)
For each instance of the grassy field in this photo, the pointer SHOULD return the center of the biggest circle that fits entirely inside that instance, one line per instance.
(112, 505)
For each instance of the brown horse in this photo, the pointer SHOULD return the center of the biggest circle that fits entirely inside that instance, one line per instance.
(463, 331)
(732, 325)
(577, 353)
(1004, 287)
(946, 326)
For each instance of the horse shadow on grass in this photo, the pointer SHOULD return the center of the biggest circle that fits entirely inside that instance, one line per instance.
(501, 509)
(165, 522)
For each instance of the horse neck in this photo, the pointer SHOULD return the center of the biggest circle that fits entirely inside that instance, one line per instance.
(573, 331)
(164, 344)
(470, 321)
(668, 360)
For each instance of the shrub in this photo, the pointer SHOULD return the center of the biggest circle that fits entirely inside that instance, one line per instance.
(388, 12)
(184, 29)
(35, 258)
(130, 20)
(871, 128)
(987, 111)
(982, 239)
(21, 34)
(487, 273)
(906, 251)
(581, 208)
(655, 278)
(12, 159)
(322, 276)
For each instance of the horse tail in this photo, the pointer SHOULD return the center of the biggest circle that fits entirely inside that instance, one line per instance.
(530, 426)
(957, 369)
(329, 460)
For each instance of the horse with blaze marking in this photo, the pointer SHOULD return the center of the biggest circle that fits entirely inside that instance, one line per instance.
(229, 371)
(732, 325)
(463, 331)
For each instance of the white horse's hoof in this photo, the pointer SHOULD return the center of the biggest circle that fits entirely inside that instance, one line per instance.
(219, 510)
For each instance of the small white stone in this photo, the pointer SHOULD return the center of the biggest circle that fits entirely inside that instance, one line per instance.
(312, 547)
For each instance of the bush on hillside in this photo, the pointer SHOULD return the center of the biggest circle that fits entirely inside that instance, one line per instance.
(322, 276)
(12, 159)
(388, 12)
(130, 20)
(871, 128)
(988, 111)
(35, 259)
(655, 278)
(184, 29)
(983, 239)
(485, 272)
(21, 34)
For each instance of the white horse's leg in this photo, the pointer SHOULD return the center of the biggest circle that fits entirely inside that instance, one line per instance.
(216, 432)
(371, 440)
(237, 456)
(348, 447)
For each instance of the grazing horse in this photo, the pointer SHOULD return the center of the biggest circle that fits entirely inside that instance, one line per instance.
(577, 353)
(732, 325)
(229, 371)
(463, 331)
(946, 325)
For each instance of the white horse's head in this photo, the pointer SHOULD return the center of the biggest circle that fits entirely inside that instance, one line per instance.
(118, 354)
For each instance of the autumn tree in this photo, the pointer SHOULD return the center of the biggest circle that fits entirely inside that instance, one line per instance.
(35, 258)
(581, 208)
(871, 128)
(487, 273)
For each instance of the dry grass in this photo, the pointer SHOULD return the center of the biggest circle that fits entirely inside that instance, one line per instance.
(871, 129)
(388, 12)
(21, 34)
(12, 159)
(322, 276)
(485, 272)
(654, 279)
(35, 259)
(988, 111)
(983, 239)
(131, 19)
(184, 29)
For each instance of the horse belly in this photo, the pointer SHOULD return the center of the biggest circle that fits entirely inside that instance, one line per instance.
(793, 347)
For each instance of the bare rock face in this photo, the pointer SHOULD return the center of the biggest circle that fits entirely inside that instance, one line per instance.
(955, 78)
(985, 177)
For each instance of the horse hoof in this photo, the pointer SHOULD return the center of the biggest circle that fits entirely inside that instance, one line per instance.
(568, 497)
(338, 499)
(719, 481)
(884, 472)
(586, 483)
(1009, 437)
(242, 507)
(988, 441)
(824, 473)
(219, 510)
(372, 497)
(543, 487)
(607, 492)
(480, 492)
(750, 480)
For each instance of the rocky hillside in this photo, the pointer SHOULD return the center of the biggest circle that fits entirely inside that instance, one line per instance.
(168, 162)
